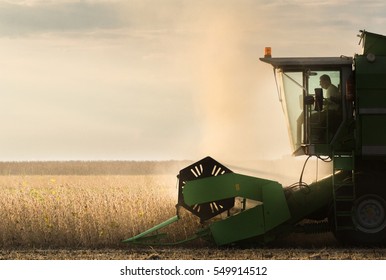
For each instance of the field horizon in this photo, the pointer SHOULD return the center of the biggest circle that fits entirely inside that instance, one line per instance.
(94, 167)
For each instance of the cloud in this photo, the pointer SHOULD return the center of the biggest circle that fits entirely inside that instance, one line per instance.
(141, 17)
(26, 17)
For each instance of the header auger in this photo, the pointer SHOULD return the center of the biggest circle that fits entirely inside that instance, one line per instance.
(341, 117)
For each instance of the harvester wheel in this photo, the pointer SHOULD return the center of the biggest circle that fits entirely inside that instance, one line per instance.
(368, 212)
(369, 219)
(207, 167)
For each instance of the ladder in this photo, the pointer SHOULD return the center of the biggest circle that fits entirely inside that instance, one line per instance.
(343, 190)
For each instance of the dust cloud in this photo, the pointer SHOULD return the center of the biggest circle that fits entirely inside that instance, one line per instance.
(228, 87)
(241, 119)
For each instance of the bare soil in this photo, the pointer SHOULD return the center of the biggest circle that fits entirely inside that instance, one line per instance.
(293, 247)
(199, 254)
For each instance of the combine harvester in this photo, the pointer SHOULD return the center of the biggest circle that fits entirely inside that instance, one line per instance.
(347, 127)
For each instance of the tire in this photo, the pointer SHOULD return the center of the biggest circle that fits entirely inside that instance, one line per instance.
(369, 209)
(369, 220)
(369, 217)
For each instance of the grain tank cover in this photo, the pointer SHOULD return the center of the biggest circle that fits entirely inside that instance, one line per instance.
(373, 43)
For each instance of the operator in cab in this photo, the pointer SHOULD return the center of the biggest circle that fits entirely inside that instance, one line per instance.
(333, 97)
(325, 122)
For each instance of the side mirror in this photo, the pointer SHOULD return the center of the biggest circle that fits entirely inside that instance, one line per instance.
(318, 99)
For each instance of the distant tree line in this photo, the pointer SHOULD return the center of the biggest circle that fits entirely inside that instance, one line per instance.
(92, 167)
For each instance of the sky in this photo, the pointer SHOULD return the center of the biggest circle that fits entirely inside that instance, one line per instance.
(159, 79)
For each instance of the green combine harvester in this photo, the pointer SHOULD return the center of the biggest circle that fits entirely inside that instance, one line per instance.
(335, 109)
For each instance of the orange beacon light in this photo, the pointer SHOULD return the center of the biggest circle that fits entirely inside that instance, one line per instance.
(267, 52)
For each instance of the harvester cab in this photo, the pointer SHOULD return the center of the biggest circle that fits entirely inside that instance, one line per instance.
(313, 93)
(336, 110)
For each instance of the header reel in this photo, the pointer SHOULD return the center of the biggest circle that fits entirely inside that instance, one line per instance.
(207, 167)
